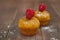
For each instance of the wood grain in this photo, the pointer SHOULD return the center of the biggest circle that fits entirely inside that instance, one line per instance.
(12, 10)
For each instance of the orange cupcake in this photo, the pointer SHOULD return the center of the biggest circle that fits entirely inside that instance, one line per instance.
(29, 25)
(42, 15)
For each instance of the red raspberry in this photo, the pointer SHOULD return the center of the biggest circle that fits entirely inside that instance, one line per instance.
(29, 13)
(42, 7)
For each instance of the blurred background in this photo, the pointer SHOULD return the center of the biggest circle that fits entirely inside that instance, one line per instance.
(12, 10)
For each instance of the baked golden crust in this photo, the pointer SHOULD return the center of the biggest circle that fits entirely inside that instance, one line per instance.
(28, 27)
(44, 22)
(43, 17)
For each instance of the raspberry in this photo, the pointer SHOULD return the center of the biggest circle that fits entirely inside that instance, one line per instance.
(29, 13)
(42, 7)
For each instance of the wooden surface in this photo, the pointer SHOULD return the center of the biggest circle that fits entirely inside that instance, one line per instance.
(12, 10)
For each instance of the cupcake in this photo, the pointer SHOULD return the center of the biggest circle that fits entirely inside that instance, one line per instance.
(42, 15)
(29, 25)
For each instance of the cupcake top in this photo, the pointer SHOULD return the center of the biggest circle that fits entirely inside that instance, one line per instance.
(42, 14)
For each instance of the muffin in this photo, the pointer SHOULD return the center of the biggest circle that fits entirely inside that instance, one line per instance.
(29, 25)
(42, 15)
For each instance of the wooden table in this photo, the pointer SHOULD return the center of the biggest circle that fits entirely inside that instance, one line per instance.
(12, 10)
